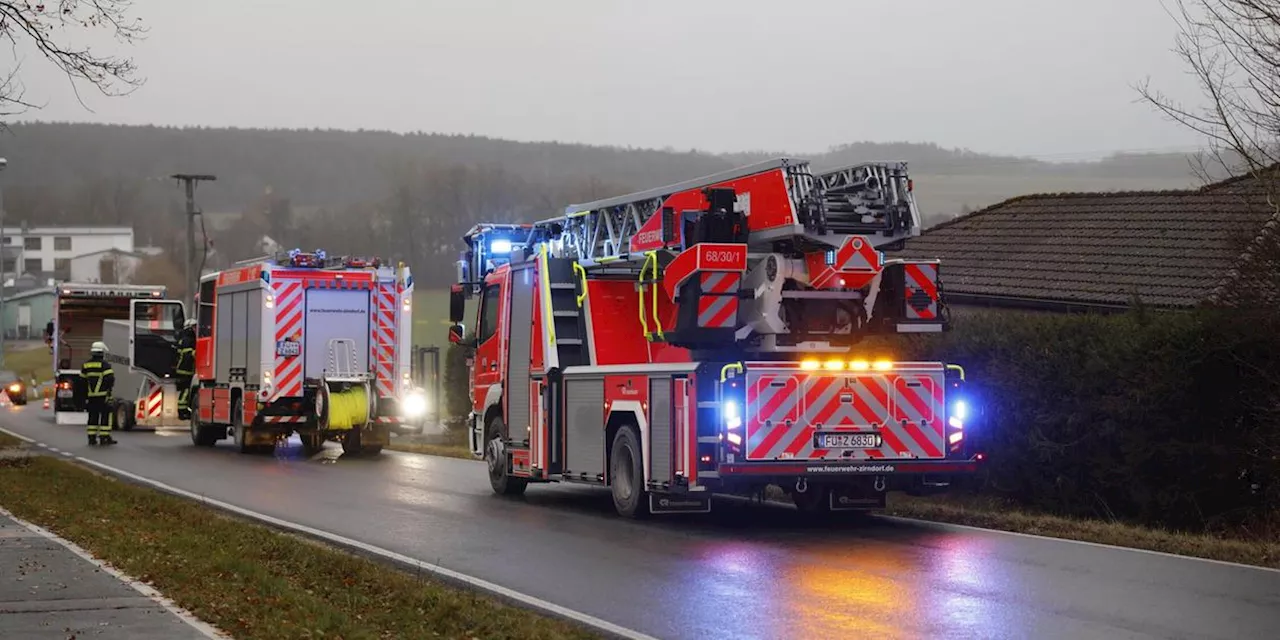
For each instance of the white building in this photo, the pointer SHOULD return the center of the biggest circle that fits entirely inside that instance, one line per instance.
(118, 268)
(51, 249)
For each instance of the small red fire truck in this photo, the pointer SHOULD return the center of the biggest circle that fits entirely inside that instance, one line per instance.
(304, 343)
(703, 338)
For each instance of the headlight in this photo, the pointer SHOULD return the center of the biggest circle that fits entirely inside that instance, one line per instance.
(15, 387)
(414, 405)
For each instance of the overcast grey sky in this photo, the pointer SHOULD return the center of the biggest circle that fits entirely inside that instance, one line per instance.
(1047, 78)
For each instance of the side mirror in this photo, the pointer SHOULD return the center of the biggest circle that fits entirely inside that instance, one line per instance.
(457, 303)
(456, 335)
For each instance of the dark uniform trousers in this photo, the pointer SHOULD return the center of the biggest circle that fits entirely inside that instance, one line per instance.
(99, 381)
(186, 370)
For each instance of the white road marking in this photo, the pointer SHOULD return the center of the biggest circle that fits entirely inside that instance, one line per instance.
(475, 583)
(965, 527)
(207, 630)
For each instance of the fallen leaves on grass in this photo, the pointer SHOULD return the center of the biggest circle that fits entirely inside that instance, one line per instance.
(249, 580)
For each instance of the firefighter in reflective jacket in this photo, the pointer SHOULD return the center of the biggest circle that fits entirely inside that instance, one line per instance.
(99, 381)
(186, 368)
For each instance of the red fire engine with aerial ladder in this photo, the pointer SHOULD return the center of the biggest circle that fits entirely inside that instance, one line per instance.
(305, 343)
(703, 338)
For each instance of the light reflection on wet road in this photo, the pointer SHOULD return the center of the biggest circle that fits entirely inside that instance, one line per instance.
(744, 571)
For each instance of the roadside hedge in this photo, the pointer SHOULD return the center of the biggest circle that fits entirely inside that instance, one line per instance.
(1165, 419)
(1169, 419)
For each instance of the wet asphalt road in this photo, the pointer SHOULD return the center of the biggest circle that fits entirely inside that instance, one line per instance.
(743, 571)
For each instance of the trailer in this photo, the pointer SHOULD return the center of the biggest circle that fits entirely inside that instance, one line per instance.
(308, 344)
(706, 337)
(85, 313)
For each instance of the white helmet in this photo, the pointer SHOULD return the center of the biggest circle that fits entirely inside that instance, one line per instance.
(191, 322)
(98, 347)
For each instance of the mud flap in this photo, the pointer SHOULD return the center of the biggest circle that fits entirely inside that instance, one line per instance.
(856, 497)
(679, 503)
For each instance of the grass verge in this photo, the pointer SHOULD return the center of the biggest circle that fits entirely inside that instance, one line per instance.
(430, 449)
(247, 579)
(989, 513)
(8, 442)
(453, 444)
(30, 362)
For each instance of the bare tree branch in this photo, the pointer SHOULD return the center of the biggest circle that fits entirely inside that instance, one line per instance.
(1232, 49)
(43, 24)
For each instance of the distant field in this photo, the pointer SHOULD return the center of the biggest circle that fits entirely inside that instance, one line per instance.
(30, 362)
(431, 317)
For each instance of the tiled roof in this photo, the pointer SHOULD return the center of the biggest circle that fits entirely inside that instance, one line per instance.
(1170, 248)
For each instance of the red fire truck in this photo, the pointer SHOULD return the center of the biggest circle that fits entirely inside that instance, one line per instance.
(304, 343)
(703, 338)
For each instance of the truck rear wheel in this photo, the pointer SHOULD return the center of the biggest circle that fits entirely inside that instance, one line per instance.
(353, 445)
(240, 432)
(124, 416)
(626, 475)
(495, 457)
(312, 443)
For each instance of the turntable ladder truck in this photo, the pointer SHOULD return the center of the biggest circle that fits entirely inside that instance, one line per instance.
(704, 338)
(305, 343)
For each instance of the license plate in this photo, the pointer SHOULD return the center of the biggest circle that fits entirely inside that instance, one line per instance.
(65, 393)
(848, 441)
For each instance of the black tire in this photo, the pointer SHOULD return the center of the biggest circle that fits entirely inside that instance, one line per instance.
(312, 444)
(351, 443)
(500, 481)
(124, 417)
(240, 432)
(626, 475)
(202, 435)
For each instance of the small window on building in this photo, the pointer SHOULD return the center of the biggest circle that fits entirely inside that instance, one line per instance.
(62, 243)
(8, 239)
(10, 265)
(62, 267)
(32, 265)
(31, 243)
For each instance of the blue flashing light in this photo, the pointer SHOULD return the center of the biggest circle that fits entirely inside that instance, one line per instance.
(500, 246)
(959, 409)
(729, 411)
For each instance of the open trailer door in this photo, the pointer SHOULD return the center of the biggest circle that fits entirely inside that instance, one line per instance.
(153, 347)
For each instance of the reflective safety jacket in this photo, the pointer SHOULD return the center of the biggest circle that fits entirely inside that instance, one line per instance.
(186, 353)
(98, 377)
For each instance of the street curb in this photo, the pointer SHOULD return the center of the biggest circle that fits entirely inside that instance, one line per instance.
(206, 629)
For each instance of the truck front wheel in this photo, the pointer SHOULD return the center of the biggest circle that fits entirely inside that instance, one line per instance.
(626, 475)
(495, 457)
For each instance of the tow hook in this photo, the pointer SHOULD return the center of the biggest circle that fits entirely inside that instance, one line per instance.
(879, 485)
(801, 485)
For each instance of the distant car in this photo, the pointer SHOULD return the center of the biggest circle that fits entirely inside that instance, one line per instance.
(14, 387)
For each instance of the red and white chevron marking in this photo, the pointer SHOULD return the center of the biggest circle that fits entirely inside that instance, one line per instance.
(921, 280)
(284, 419)
(718, 304)
(383, 338)
(857, 262)
(289, 325)
(786, 410)
(152, 406)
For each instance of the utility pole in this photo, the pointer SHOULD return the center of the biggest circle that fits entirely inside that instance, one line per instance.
(189, 180)
(3, 163)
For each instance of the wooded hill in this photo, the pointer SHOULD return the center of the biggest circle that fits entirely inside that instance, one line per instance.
(410, 196)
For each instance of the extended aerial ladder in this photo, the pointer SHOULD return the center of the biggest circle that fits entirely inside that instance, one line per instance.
(826, 232)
